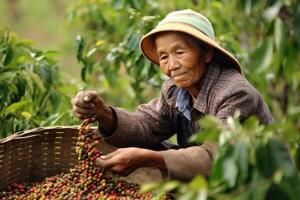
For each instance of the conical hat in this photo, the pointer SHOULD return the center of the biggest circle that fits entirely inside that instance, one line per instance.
(194, 24)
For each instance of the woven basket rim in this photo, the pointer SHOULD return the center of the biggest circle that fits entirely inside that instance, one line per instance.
(24, 133)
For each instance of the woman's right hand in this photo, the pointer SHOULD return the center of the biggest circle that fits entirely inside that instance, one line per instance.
(87, 104)
(90, 104)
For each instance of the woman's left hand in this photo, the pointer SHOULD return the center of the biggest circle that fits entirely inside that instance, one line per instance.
(125, 160)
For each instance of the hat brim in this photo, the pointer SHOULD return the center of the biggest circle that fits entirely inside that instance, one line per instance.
(148, 47)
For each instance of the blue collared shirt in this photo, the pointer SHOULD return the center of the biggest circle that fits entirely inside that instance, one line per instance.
(183, 103)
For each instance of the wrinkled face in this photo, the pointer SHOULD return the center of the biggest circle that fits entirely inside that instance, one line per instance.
(180, 58)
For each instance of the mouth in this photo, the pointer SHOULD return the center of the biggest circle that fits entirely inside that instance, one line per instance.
(178, 77)
(175, 74)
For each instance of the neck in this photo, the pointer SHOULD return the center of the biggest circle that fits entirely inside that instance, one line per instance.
(194, 91)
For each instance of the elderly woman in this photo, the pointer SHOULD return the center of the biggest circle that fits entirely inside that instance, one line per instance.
(204, 79)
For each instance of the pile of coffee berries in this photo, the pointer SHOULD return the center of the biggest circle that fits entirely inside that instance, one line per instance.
(84, 181)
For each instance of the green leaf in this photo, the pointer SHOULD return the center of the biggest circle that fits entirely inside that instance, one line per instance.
(24, 43)
(169, 186)
(274, 156)
(7, 76)
(296, 23)
(264, 161)
(9, 56)
(242, 157)
(258, 190)
(251, 122)
(91, 52)
(262, 57)
(148, 187)
(288, 188)
(21, 85)
(52, 53)
(80, 48)
(45, 74)
(118, 4)
(26, 115)
(28, 79)
(8, 128)
(280, 36)
(187, 196)
(272, 11)
(58, 119)
(297, 158)
(230, 171)
(50, 120)
(37, 80)
(210, 121)
(136, 4)
(198, 182)
(83, 73)
(246, 5)
(133, 42)
(217, 179)
(13, 108)
(281, 158)
(205, 135)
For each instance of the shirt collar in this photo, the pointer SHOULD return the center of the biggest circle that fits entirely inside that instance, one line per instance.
(183, 103)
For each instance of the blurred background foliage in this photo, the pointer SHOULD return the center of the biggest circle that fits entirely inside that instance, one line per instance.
(94, 44)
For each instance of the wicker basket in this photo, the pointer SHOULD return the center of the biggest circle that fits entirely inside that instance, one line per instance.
(33, 155)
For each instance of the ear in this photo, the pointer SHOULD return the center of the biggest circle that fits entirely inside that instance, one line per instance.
(209, 53)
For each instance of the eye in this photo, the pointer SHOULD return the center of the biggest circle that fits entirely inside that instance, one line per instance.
(163, 57)
(179, 52)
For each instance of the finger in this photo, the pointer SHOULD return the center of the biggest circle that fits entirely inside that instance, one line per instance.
(86, 98)
(82, 104)
(104, 164)
(100, 162)
(91, 99)
(84, 112)
(83, 98)
(110, 155)
(80, 116)
(121, 170)
(94, 98)
(89, 96)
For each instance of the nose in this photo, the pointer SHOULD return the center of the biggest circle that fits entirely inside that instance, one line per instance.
(173, 63)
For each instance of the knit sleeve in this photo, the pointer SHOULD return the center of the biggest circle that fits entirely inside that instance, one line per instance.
(184, 164)
(149, 125)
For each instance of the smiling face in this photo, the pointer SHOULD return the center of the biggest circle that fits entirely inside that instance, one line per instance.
(181, 58)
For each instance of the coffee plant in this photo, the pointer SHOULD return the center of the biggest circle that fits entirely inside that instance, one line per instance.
(253, 162)
(31, 90)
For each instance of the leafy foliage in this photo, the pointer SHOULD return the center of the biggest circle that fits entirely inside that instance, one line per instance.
(31, 93)
(253, 162)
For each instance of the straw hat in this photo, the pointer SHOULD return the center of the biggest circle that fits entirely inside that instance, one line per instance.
(194, 24)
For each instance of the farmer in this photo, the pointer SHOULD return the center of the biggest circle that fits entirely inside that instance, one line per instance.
(204, 78)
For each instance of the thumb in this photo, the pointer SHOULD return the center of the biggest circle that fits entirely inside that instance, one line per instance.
(100, 162)
(90, 96)
(94, 98)
(109, 155)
